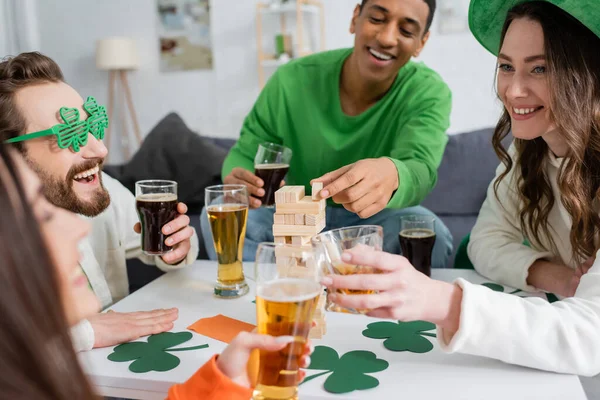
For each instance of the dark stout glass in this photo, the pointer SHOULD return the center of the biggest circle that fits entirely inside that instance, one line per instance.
(272, 175)
(155, 210)
(417, 245)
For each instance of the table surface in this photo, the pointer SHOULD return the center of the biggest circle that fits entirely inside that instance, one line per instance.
(415, 376)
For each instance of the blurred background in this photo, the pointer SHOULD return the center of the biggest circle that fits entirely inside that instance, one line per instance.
(204, 59)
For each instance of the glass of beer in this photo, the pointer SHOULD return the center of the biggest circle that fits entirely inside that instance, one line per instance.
(329, 247)
(227, 209)
(156, 203)
(271, 164)
(287, 293)
(417, 237)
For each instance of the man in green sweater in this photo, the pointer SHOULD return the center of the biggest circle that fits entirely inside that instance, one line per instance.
(367, 122)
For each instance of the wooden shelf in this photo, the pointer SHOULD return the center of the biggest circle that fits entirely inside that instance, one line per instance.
(299, 9)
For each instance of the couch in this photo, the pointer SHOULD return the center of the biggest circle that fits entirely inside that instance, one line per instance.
(467, 167)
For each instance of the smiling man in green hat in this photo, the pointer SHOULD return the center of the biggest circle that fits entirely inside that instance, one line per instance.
(367, 122)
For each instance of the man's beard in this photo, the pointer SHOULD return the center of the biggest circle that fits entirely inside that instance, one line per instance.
(61, 193)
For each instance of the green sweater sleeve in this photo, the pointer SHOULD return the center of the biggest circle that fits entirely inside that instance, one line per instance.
(421, 141)
(259, 127)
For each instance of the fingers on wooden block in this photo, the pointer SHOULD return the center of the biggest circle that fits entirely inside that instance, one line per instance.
(279, 219)
(316, 188)
(298, 219)
(294, 194)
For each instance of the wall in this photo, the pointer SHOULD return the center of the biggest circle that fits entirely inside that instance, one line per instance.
(215, 102)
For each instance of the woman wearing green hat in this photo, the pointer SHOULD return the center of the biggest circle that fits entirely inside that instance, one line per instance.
(545, 194)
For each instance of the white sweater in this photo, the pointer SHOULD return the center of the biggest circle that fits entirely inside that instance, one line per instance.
(563, 336)
(110, 243)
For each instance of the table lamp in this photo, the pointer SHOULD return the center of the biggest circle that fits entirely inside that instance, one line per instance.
(119, 55)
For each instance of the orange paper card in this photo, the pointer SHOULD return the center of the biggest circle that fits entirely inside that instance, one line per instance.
(220, 327)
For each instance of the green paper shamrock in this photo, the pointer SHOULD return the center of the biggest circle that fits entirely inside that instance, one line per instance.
(402, 336)
(153, 355)
(348, 373)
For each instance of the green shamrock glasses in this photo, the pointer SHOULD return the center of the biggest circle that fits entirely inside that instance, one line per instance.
(74, 133)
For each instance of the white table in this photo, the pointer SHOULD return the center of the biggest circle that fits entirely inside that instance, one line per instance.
(433, 375)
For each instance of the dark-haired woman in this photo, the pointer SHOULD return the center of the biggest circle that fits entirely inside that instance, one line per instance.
(43, 291)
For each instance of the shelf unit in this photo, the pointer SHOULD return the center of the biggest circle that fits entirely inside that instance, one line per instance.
(298, 8)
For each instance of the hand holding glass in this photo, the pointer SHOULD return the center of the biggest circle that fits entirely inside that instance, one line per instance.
(287, 293)
(156, 203)
(227, 209)
(330, 245)
(271, 164)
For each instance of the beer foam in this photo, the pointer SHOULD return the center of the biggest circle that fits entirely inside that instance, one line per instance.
(289, 290)
(156, 197)
(271, 166)
(417, 233)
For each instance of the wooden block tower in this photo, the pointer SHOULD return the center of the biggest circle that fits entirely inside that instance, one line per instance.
(297, 219)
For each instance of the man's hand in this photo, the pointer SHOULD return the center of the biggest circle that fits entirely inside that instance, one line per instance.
(364, 188)
(240, 176)
(112, 328)
(178, 234)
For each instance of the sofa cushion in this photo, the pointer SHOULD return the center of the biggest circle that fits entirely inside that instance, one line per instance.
(468, 166)
(173, 151)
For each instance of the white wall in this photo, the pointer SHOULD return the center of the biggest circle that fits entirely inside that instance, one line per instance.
(215, 102)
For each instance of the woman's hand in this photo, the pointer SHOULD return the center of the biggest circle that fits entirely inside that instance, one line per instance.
(403, 292)
(234, 361)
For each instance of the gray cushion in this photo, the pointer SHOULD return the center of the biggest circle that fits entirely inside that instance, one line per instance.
(173, 151)
(467, 168)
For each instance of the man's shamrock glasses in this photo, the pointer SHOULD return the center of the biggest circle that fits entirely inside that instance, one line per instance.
(74, 133)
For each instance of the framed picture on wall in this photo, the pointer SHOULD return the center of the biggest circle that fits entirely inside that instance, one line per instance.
(184, 35)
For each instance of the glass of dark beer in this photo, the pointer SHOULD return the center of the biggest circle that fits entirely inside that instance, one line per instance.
(156, 202)
(417, 237)
(271, 164)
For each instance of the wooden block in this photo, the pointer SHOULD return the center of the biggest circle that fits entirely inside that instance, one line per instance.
(289, 219)
(284, 264)
(301, 252)
(298, 230)
(280, 239)
(301, 240)
(305, 206)
(313, 219)
(279, 219)
(280, 195)
(316, 188)
(299, 219)
(294, 194)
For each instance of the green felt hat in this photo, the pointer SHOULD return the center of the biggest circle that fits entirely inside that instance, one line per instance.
(486, 17)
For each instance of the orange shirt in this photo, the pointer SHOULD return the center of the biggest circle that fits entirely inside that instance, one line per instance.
(209, 383)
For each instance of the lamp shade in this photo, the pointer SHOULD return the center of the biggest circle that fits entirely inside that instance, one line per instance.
(117, 53)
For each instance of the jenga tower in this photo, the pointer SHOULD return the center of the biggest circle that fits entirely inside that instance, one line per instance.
(297, 219)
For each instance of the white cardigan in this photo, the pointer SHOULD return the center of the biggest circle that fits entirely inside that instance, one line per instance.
(110, 243)
(563, 336)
